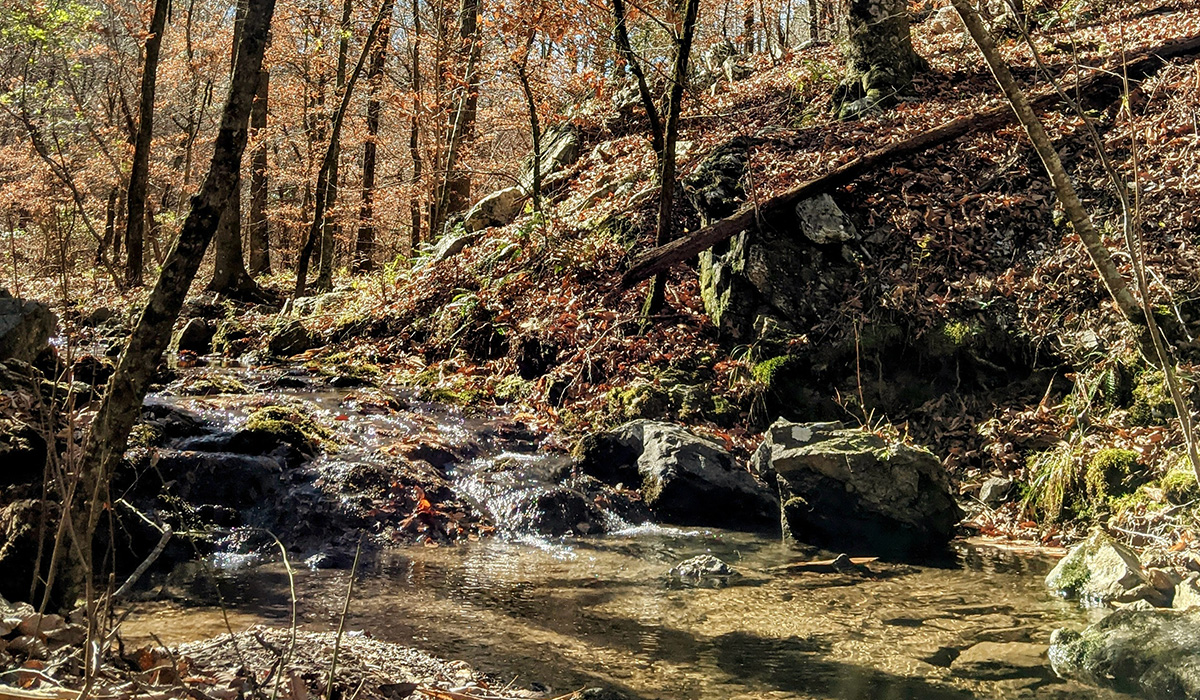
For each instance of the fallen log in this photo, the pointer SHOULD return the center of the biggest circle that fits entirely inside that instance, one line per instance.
(663, 257)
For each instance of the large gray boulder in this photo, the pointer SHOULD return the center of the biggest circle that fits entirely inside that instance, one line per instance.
(1154, 654)
(25, 327)
(499, 208)
(684, 479)
(853, 491)
(1099, 571)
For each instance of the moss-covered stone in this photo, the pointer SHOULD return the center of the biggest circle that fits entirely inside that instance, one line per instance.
(1152, 403)
(288, 425)
(1111, 473)
(640, 400)
(1179, 483)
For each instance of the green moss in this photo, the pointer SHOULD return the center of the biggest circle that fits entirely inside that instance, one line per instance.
(1152, 403)
(770, 372)
(345, 364)
(1111, 473)
(1074, 576)
(641, 400)
(458, 396)
(290, 426)
(1179, 483)
(512, 388)
(143, 435)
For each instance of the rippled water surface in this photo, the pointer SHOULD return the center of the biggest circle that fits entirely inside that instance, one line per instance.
(604, 612)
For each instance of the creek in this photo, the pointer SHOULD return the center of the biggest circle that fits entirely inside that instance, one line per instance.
(572, 612)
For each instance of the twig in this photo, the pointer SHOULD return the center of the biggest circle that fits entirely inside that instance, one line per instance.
(337, 643)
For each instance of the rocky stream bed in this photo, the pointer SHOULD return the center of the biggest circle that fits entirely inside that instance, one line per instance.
(647, 562)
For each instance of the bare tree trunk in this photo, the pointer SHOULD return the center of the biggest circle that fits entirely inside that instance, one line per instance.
(260, 233)
(666, 180)
(625, 48)
(1080, 220)
(105, 443)
(880, 55)
(230, 277)
(535, 127)
(110, 226)
(414, 142)
(331, 229)
(321, 198)
(454, 193)
(139, 172)
(748, 28)
(364, 244)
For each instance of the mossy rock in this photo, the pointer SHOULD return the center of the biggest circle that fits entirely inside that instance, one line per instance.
(1152, 403)
(1111, 473)
(1179, 483)
(287, 425)
(641, 400)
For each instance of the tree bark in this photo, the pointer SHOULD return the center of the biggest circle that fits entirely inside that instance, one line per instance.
(104, 446)
(364, 244)
(535, 127)
(880, 56)
(260, 232)
(139, 172)
(625, 48)
(414, 142)
(230, 277)
(321, 196)
(454, 192)
(331, 229)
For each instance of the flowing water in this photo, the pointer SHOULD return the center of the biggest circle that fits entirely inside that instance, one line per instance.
(575, 612)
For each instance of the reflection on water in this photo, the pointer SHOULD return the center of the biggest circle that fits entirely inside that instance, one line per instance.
(602, 612)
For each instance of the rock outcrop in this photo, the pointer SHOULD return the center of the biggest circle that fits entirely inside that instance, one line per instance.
(1154, 654)
(856, 492)
(1099, 571)
(684, 479)
(25, 327)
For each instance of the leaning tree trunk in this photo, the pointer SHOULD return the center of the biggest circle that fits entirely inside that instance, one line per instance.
(880, 57)
(321, 196)
(414, 141)
(260, 234)
(230, 277)
(329, 232)
(105, 443)
(666, 179)
(139, 172)
(454, 192)
(364, 243)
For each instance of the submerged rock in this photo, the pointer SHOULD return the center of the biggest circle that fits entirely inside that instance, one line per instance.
(1099, 571)
(684, 479)
(854, 491)
(702, 567)
(1152, 653)
(25, 327)
(1002, 660)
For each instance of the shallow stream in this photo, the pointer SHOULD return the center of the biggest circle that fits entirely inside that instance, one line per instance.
(603, 611)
